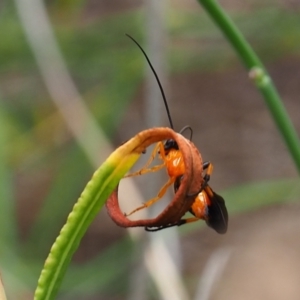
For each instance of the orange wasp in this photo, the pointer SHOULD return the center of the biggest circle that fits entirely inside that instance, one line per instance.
(208, 205)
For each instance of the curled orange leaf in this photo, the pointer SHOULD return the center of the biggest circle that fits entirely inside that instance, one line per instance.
(184, 197)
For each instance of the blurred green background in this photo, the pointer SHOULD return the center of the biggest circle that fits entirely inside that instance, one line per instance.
(43, 168)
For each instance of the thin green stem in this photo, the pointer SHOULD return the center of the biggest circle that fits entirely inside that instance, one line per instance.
(258, 73)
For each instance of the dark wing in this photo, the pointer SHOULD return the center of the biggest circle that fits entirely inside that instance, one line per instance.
(217, 214)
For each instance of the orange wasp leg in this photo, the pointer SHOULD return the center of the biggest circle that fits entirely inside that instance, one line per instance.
(145, 168)
(209, 169)
(188, 220)
(160, 194)
(209, 191)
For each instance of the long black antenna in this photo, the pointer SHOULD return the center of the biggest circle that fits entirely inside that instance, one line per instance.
(185, 128)
(157, 79)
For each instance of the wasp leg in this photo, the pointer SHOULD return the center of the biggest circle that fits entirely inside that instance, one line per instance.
(208, 166)
(181, 222)
(209, 191)
(160, 194)
(145, 169)
(188, 220)
(205, 165)
(153, 229)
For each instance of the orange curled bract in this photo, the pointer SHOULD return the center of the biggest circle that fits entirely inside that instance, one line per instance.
(185, 195)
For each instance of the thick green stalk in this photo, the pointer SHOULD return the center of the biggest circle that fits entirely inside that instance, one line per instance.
(260, 76)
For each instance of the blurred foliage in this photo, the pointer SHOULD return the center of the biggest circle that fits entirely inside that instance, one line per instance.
(107, 70)
(198, 44)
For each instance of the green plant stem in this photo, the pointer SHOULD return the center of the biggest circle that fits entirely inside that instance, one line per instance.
(258, 73)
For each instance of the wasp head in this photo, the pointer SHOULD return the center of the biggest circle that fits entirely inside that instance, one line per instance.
(169, 145)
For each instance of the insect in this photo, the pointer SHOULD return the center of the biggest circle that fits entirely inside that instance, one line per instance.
(208, 205)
